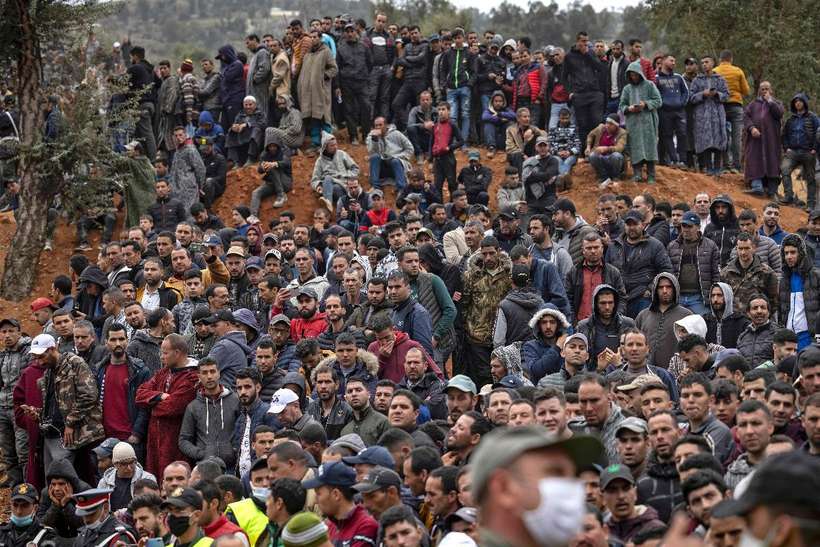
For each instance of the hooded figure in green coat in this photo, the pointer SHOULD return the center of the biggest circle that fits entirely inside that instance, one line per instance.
(640, 101)
(139, 191)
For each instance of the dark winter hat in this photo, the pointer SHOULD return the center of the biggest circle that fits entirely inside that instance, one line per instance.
(520, 275)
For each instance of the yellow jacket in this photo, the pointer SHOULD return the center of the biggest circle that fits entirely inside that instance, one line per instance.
(249, 517)
(735, 80)
(215, 272)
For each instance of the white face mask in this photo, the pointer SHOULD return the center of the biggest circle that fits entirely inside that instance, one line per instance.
(749, 540)
(560, 513)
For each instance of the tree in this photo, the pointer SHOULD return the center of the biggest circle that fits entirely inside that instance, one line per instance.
(775, 40)
(82, 153)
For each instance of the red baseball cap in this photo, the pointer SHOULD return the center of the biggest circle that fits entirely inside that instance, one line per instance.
(42, 303)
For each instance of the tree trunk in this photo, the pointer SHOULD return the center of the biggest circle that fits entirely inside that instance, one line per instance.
(21, 269)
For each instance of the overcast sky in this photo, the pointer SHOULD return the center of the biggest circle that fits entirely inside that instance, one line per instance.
(487, 5)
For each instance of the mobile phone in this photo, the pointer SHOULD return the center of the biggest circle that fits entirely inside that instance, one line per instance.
(154, 542)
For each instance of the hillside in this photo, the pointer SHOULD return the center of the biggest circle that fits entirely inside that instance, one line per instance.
(672, 186)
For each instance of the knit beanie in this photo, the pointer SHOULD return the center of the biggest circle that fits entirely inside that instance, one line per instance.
(305, 529)
(187, 66)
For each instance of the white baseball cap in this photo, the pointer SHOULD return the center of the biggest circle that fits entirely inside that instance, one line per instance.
(282, 398)
(42, 343)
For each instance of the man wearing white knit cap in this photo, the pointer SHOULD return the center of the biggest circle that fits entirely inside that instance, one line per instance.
(122, 476)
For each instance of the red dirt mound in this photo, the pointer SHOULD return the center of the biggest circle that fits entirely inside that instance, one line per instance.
(673, 186)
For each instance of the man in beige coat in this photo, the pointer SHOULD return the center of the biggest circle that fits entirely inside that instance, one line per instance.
(318, 69)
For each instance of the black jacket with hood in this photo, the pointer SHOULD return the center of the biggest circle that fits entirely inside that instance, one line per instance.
(811, 284)
(63, 519)
(574, 284)
(725, 330)
(723, 233)
(282, 156)
(593, 328)
(91, 305)
(516, 310)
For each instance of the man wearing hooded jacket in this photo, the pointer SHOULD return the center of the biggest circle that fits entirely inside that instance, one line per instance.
(799, 290)
(723, 226)
(604, 327)
(658, 320)
(723, 322)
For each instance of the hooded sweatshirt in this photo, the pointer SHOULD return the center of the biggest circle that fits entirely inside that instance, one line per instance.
(510, 357)
(659, 326)
(208, 426)
(514, 313)
(603, 336)
(63, 519)
(799, 292)
(232, 84)
(724, 330)
(337, 166)
(644, 519)
(232, 353)
(723, 232)
(800, 129)
(497, 117)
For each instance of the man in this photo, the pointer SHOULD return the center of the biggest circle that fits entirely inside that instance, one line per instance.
(313, 88)
(575, 356)
(422, 377)
(367, 313)
(122, 477)
(675, 95)
(101, 527)
(180, 506)
(707, 93)
(252, 415)
(570, 227)
(520, 138)
(633, 445)
(765, 247)
(459, 70)
(155, 294)
(230, 350)
(695, 400)
(695, 262)
(505, 468)
(311, 322)
(585, 279)
(659, 487)
(626, 519)
(187, 174)
(364, 420)
(693, 351)
(202, 434)
(307, 277)
(408, 315)
(328, 408)
(285, 405)
(355, 61)
(287, 498)
(754, 428)
(762, 152)
(391, 152)
(640, 101)
(723, 227)
(604, 327)
(464, 437)
(657, 321)
(14, 357)
(487, 281)
(346, 520)
(755, 342)
(738, 88)
(605, 147)
(771, 223)
(175, 475)
(800, 145)
(167, 394)
(747, 275)
(781, 398)
(649, 259)
(497, 407)
(799, 290)
(724, 322)
(69, 412)
(24, 527)
(441, 496)
(540, 175)
(584, 77)
(601, 417)
(380, 490)
(462, 396)
(383, 51)
(149, 522)
(702, 491)
(541, 355)
(541, 229)
(413, 64)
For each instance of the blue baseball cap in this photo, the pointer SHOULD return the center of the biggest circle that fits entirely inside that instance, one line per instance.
(254, 262)
(509, 381)
(689, 217)
(332, 474)
(373, 455)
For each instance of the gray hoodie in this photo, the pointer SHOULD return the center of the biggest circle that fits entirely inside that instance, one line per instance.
(338, 166)
(232, 353)
(658, 326)
(207, 427)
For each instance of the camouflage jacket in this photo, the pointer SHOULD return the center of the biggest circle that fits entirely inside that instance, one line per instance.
(483, 292)
(757, 278)
(77, 397)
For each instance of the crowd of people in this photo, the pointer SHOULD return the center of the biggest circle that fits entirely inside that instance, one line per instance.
(422, 373)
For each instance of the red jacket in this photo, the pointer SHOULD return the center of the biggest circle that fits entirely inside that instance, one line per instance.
(166, 415)
(307, 328)
(220, 527)
(392, 367)
(358, 529)
(26, 392)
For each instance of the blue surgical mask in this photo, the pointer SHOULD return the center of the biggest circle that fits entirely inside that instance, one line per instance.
(261, 493)
(22, 522)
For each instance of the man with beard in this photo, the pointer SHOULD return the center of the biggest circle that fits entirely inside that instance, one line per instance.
(462, 396)
(364, 421)
(285, 406)
(241, 290)
(284, 348)
(724, 322)
(799, 290)
(271, 376)
(231, 350)
(134, 317)
(723, 226)
(155, 294)
(252, 413)
(148, 519)
(659, 487)
(118, 377)
(422, 377)
(335, 324)
(605, 326)
(85, 342)
(328, 408)
(601, 417)
(658, 320)
(311, 322)
(626, 518)
(771, 223)
(755, 342)
(541, 229)
(541, 356)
